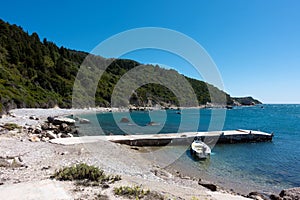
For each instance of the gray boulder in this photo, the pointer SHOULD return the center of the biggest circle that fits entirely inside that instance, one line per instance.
(257, 196)
(45, 126)
(50, 119)
(275, 197)
(51, 135)
(209, 186)
(61, 120)
(65, 135)
(65, 128)
(37, 131)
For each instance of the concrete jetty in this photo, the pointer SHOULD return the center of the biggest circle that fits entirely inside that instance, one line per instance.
(233, 136)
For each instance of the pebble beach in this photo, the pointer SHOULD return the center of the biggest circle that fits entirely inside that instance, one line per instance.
(26, 166)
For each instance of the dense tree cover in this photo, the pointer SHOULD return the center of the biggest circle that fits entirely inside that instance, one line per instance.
(35, 73)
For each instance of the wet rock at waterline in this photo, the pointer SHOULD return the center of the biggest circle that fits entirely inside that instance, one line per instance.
(209, 186)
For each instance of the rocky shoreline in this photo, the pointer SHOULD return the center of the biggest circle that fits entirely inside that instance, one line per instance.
(27, 158)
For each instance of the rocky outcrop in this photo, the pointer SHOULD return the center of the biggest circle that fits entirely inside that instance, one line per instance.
(287, 194)
(245, 101)
(257, 196)
(275, 197)
(290, 194)
(53, 128)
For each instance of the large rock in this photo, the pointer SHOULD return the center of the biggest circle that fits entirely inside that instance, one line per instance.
(290, 194)
(275, 197)
(65, 135)
(209, 186)
(45, 126)
(50, 119)
(51, 135)
(65, 128)
(257, 196)
(61, 120)
(52, 127)
(37, 131)
(32, 128)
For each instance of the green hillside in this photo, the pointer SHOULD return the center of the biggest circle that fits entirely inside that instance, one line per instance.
(35, 73)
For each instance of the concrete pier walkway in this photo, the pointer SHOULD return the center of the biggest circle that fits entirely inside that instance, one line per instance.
(233, 136)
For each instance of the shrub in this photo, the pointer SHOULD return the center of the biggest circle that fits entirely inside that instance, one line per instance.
(135, 191)
(85, 173)
(11, 126)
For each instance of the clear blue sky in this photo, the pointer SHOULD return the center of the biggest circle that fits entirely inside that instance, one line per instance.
(255, 43)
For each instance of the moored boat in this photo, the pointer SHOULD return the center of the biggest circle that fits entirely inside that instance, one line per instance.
(200, 149)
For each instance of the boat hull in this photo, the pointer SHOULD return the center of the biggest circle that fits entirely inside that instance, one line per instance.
(200, 150)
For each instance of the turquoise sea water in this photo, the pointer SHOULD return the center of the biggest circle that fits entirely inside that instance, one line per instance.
(266, 167)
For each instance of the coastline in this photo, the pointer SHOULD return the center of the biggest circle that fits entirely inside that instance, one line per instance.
(44, 158)
(133, 167)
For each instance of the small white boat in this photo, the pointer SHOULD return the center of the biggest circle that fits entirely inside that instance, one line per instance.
(200, 149)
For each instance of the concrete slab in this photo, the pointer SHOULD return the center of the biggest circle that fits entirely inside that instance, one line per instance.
(45, 189)
(232, 134)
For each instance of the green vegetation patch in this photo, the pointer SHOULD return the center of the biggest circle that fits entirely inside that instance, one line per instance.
(137, 192)
(11, 126)
(85, 174)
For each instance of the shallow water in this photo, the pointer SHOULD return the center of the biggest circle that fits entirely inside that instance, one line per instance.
(266, 167)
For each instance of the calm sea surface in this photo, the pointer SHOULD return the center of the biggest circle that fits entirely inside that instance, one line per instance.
(266, 167)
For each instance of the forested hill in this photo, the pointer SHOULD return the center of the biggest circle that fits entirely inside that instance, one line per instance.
(35, 73)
